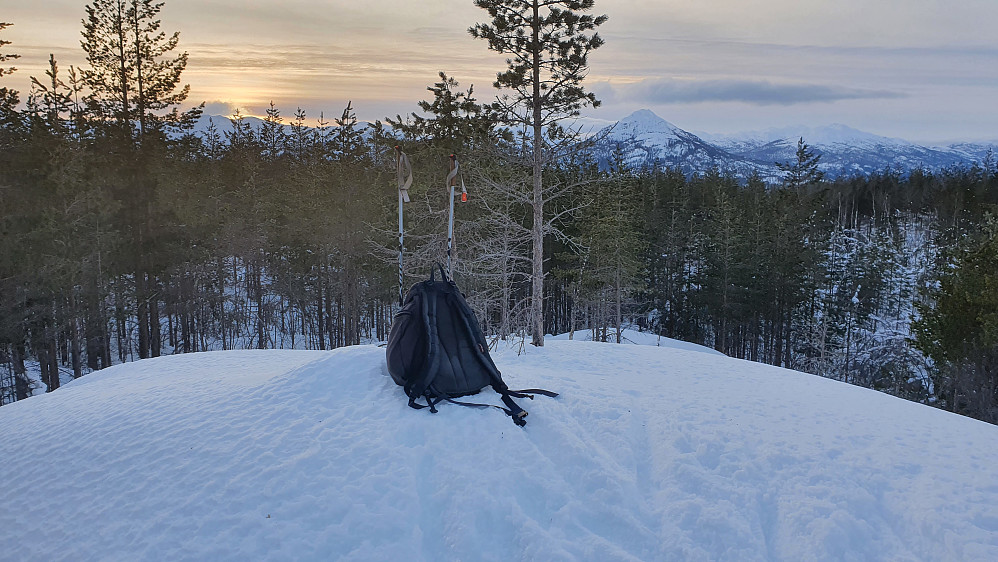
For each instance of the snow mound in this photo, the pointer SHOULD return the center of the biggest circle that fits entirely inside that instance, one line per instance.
(635, 337)
(651, 453)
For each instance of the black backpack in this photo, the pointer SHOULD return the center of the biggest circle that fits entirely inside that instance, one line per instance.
(437, 351)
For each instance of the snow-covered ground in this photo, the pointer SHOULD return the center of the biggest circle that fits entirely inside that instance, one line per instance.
(667, 452)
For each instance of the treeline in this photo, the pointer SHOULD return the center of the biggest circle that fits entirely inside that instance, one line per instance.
(127, 235)
(252, 239)
(823, 278)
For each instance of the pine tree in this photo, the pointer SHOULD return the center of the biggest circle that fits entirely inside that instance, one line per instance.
(272, 135)
(729, 262)
(70, 237)
(14, 384)
(301, 141)
(453, 121)
(49, 101)
(134, 88)
(610, 235)
(549, 43)
(347, 141)
(132, 76)
(8, 97)
(4, 57)
(669, 214)
(803, 170)
(958, 328)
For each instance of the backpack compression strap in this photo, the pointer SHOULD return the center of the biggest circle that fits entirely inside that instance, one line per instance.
(517, 413)
(431, 402)
(434, 397)
(529, 392)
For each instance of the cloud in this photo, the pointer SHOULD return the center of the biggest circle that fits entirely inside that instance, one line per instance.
(219, 107)
(754, 92)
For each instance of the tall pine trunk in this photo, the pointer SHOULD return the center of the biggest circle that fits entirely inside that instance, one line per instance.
(537, 262)
(142, 312)
(155, 332)
(74, 337)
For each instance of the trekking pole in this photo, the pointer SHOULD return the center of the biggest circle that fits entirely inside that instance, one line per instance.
(403, 174)
(452, 179)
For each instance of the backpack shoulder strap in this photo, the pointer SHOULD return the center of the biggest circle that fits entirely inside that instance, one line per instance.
(475, 334)
(512, 409)
(416, 385)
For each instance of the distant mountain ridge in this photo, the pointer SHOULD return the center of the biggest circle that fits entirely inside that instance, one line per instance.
(646, 140)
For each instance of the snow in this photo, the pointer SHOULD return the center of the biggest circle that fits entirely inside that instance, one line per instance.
(833, 134)
(629, 336)
(648, 139)
(652, 452)
(646, 121)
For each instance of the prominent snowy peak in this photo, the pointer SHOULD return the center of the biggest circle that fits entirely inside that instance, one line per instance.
(646, 121)
(646, 140)
(650, 453)
(644, 125)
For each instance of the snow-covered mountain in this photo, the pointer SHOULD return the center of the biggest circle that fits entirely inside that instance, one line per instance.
(223, 125)
(646, 138)
(843, 150)
(976, 151)
(650, 453)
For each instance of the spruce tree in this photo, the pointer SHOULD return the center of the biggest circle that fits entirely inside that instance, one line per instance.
(272, 135)
(958, 328)
(803, 170)
(610, 235)
(548, 42)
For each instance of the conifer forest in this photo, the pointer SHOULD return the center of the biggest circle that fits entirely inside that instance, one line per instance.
(127, 233)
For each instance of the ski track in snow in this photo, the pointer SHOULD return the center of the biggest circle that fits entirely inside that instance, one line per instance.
(649, 454)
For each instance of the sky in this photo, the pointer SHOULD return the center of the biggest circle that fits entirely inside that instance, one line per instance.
(922, 70)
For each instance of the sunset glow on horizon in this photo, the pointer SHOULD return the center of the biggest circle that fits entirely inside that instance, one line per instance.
(929, 73)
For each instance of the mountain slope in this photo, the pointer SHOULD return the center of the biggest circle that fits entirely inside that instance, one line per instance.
(647, 139)
(844, 150)
(651, 453)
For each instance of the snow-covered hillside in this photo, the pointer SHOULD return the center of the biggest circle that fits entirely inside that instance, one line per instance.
(650, 453)
(648, 139)
(844, 150)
